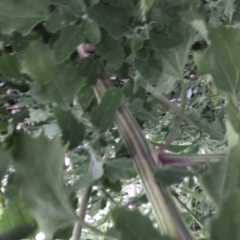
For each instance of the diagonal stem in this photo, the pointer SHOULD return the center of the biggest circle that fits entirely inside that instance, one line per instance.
(165, 210)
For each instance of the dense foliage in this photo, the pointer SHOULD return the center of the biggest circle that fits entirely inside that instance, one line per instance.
(84, 83)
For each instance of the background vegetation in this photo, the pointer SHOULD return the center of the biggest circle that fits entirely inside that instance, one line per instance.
(83, 84)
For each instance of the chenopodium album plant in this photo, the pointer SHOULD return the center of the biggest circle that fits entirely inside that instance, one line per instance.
(98, 95)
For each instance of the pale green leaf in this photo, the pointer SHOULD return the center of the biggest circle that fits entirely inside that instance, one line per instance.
(145, 6)
(39, 173)
(132, 225)
(70, 38)
(39, 115)
(5, 160)
(92, 31)
(119, 168)
(16, 222)
(22, 16)
(221, 60)
(113, 19)
(54, 22)
(57, 83)
(103, 115)
(167, 37)
(111, 50)
(229, 9)
(9, 66)
(225, 226)
(73, 131)
(173, 65)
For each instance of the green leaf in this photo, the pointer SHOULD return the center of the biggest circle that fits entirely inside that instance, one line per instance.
(229, 9)
(213, 180)
(18, 233)
(173, 65)
(172, 175)
(111, 50)
(39, 169)
(145, 6)
(119, 168)
(216, 129)
(92, 31)
(89, 68)
(15, 222)
(84, 181)
(234, 116)
(9, 66)
(113, 19)
(221, 59)
(70, 38)
(225, 226)
(222, 178)
(137, 42)
(72, 130)
(39, 115)
(20, 43)
(132, 225)
(103, 115)
(54, 22)
(22, 16)
(58, 83)
(5, 159)
(85, 96)
(167, 37)
(148, 69)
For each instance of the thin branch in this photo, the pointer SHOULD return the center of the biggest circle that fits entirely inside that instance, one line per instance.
(172, 106)
(182, 112)
(77, 231)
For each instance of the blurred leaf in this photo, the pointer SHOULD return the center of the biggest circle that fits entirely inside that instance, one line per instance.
(39, 169)
(221, 59)
(22, 15)
(20, 43)
(173, 65)
(97, 169)
(132, 225)
(18, 233)
(51, 130)
(172, 175)
(135, 105)
(216, 129)
(222, 179)
(39, 115)
(113, 19)
(85, 180)
(92, 31)
(229, 9)
(73, 131)
(103, 115)
(167, 37)
(70, 38)
(232, 135)
(225, 226)
(5, 159)
(119, 168)
(15, 222)
(54, 22)
(9, 66)
(137, 42)
(111, 50)
(85, 96)
(89, 68)
(148, 69)
(145, 6)
(59, 83)
(234, 116)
